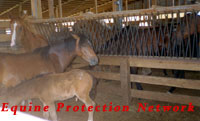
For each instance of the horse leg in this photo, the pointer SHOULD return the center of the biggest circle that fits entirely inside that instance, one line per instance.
(171, 90)
(134, 70)
(165, 72)
(88, 102)
(28, 102)
(45, 114)
(94, 89)
(177, 74)
(52, 111)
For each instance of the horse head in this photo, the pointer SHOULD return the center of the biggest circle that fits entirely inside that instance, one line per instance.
(16, 29)
(84, 49)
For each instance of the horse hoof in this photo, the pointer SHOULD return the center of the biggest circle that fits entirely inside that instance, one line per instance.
(169, 92)
(23, 103)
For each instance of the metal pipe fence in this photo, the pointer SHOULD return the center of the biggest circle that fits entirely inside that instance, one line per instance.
(163, 31)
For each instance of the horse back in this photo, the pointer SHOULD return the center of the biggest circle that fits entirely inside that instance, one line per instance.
(16, 68)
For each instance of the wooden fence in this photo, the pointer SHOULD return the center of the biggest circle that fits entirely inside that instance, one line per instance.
(3, 36)
(147, 62)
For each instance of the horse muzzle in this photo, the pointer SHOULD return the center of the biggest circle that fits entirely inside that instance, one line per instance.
(93, 61)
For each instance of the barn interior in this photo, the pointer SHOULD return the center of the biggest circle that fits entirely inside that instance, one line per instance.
(125, 23)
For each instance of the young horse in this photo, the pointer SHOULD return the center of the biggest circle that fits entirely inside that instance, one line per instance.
(50, 59)
(54, 87)
(23, 33)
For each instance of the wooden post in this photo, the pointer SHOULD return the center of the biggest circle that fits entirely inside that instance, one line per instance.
(120, 5)
(149, 3)
(36, 8)
(60, 8)
(125, 81)
(154, 3)
(179, 2)
(166, 2)
(145, 4)
(57, 15)
(20, 8)
(126, 4)
(51, 8)
(96, 10)
(114, 5)
(39, 10)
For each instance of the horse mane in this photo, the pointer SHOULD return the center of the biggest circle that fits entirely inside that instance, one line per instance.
(43, 51)
(63, 37)
(27, 26)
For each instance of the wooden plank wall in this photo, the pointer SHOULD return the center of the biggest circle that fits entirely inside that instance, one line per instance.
(5, 37)
(3, 25)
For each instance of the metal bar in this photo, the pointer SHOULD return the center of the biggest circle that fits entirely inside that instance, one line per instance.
(126, 13)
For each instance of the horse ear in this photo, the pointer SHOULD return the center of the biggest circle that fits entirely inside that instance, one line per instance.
(24, 14)
(77, 38)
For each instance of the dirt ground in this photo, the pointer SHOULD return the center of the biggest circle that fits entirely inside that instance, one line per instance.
(109, 91)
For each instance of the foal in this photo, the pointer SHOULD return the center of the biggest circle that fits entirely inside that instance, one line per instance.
(54, 87)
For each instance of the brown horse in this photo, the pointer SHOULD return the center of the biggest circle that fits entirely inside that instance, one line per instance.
(190, 27)
(188, 44)
(135, 40)
(54, 87)
(50, 59)
(23, 33)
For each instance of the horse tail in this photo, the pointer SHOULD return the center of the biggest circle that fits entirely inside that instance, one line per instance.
(94, 88)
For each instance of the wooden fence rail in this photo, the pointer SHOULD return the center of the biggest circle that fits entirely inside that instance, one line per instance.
(125, 77)
(150, 62)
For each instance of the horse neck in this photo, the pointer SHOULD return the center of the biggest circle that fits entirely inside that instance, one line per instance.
(60, 57)
(31, 40)
(7, 98)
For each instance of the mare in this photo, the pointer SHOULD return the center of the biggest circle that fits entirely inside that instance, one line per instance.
(54, 87)
(25, 34)
(15, 68)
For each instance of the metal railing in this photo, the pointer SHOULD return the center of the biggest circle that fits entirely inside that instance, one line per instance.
(163, 31)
